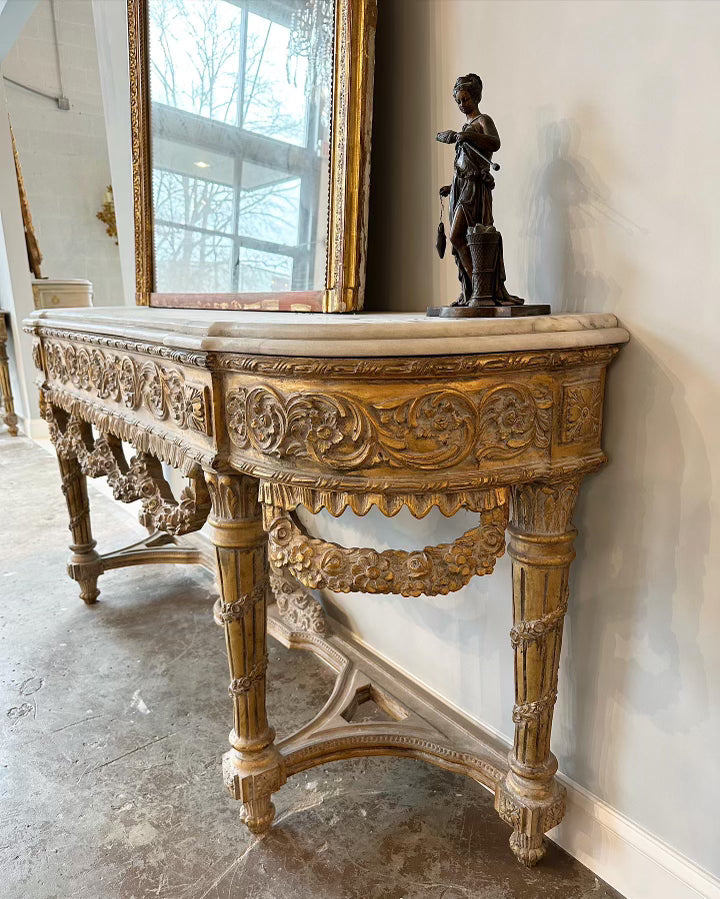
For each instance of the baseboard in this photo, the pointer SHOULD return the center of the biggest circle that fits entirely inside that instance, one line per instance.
(628, 857)
(35, 428)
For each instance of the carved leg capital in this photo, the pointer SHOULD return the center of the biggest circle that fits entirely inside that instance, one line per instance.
(541, 548)
(253, 769)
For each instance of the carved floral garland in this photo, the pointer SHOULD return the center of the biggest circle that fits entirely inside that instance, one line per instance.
(434, 570)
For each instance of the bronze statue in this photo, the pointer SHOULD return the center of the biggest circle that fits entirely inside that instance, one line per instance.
(476, 244)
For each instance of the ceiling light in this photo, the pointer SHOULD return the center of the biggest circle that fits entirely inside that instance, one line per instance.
(202, 165)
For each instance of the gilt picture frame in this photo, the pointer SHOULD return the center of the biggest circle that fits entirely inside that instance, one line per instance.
(348, 177)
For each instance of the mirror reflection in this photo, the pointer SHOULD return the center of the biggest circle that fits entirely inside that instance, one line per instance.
(241, 102)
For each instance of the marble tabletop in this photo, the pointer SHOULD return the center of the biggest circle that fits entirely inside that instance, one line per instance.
(317, 334)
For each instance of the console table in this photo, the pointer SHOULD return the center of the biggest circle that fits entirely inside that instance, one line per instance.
(264, 413)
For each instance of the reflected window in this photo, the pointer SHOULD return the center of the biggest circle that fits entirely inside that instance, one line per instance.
(240, 147)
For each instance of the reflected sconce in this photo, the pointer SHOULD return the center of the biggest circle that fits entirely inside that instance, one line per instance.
(107, 213)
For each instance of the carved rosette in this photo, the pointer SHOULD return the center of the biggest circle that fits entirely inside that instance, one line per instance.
(581, 414)
(434, 570)
(160, 390)
(434, 430)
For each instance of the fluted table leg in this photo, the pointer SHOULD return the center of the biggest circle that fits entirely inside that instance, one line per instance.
(253, 768)
(530, 798)
(10, 418)
(85, 565)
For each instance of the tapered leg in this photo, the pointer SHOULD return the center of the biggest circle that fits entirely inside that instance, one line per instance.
(85, 565)
(541, 547)
(10, 418)
(253, 768)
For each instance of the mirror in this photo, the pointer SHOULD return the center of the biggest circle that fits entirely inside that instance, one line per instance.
(251, 123)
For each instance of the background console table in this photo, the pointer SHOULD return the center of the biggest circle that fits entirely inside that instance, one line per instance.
(9, 417)
(266, 412)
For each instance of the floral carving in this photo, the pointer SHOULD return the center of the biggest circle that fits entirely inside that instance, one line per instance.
(435, 570)
(162, 391)
(244, 684)
(431, 431)
(37, 354)
(297, 608)
(581, 411)
(140, 479)
(225, 612)
(512, 418)
(533, 711)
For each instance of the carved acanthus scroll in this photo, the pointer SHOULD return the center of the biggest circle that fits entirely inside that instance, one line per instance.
(434, 570)
(163, 391)
(433, 430)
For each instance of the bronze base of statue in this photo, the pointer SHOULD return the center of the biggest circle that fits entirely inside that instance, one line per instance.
(488, 311)
(489, 298)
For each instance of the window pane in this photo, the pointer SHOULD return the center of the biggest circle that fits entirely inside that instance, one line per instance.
(269, 205)
(192, 262)
(264, 272)
(197, 202)
(195, 52)
(275, 104)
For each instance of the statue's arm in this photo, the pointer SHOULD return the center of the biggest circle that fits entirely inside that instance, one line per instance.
(483, 134)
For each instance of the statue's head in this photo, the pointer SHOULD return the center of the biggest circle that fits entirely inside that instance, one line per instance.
(467, 92)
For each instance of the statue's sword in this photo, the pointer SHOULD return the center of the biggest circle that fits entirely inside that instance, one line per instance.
(493, 165)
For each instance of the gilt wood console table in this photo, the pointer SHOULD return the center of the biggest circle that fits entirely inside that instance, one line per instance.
(266, 412)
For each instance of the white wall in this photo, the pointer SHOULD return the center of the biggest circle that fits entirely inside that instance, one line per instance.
(112, 49)
(608, 200)
(64, 154)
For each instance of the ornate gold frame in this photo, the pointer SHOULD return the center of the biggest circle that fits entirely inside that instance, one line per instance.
(355, 22)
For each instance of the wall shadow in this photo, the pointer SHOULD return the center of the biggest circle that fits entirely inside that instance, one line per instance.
(566, 197)
(637, 584)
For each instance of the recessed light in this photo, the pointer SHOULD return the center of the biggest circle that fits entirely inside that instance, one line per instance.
(202, 165)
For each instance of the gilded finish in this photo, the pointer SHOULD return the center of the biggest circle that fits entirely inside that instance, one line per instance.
(253, 768)
(139, 64)
(541, 548)
(9, 416)
(33, 250)
(349, 163)
(259, 436)
(356, 21)
(297, 608)
(435, 570)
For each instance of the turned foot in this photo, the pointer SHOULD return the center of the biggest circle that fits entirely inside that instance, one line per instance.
(258, 815)
(11, 420)
(85, 568)
(528, 849)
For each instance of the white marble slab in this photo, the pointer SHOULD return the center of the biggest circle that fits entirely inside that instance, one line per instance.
(315, 334)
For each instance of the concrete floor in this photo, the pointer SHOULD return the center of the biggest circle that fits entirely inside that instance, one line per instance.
(114, 720)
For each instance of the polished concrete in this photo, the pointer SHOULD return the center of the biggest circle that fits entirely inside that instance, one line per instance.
(114, 719)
